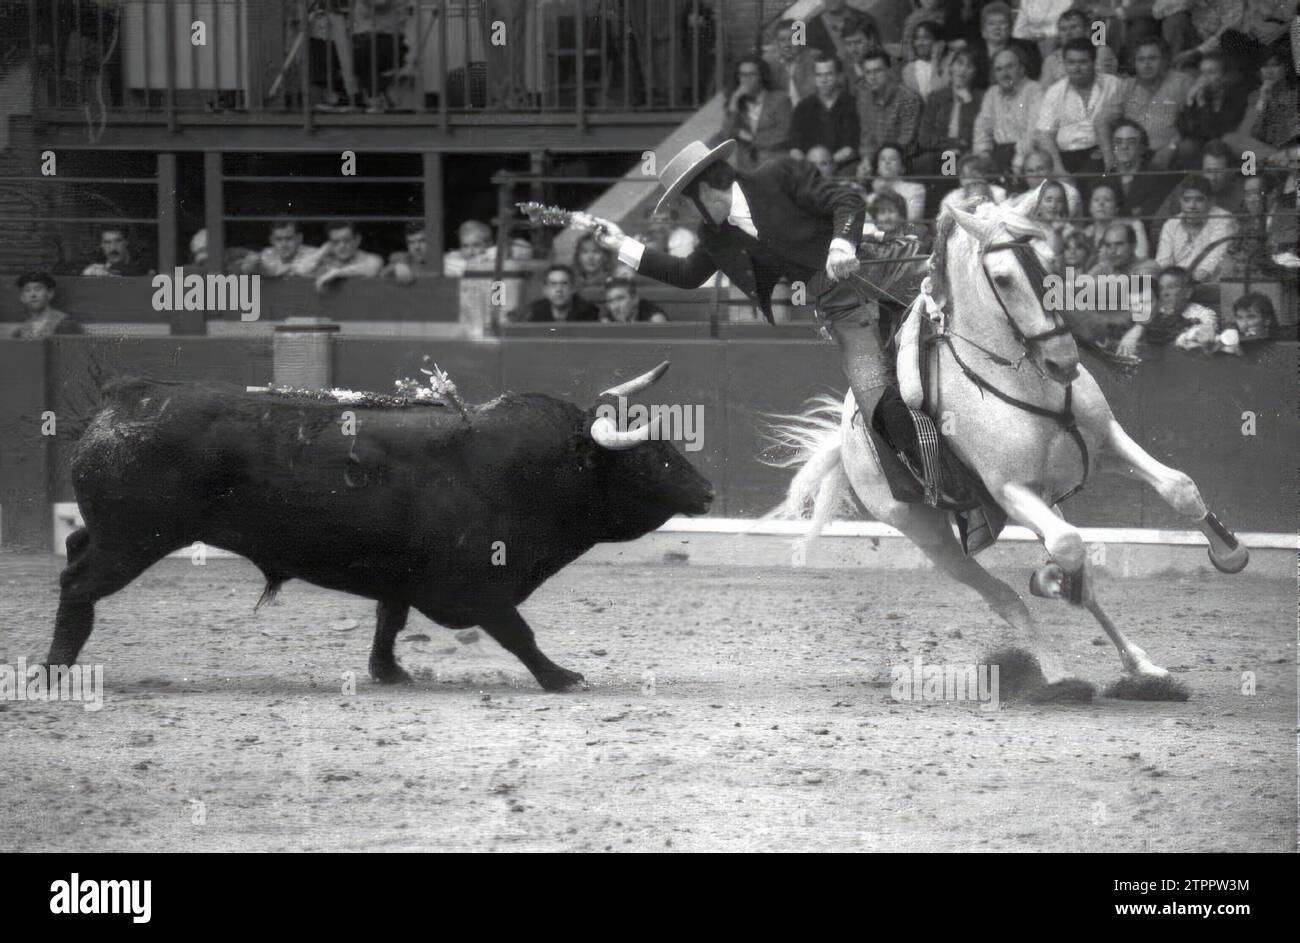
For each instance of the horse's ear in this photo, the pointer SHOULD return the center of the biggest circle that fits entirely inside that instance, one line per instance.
(980, 228)
(1026, 203)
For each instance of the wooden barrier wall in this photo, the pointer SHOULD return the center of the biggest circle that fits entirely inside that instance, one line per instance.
(1189, 410)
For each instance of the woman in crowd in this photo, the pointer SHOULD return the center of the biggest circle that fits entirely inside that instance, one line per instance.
(757, 116)
(924, 72)
(1077, 252)
(1105, 207)
(1254, 318)
(1255, 225)
(1215, 105)
(1270, 121)
(1039, 167)
(591, 264)
(1053, 209)
(890, 166)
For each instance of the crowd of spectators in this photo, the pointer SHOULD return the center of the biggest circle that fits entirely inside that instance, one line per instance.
(1165, 132)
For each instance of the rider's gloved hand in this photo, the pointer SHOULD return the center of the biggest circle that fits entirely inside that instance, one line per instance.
(841, 261)
(608, 235)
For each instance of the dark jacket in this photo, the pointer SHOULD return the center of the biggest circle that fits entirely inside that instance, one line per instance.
(933, 133)
(812, 124)
(1204, 122)
(540, 311)
(796, 213)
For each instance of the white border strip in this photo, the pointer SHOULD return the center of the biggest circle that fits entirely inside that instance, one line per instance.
(1103, 535)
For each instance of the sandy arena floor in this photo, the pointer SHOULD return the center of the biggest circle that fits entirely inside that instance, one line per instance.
(768, 725)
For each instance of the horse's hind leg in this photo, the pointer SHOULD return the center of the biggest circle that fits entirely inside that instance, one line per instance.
(1124, 455)
(93, 572)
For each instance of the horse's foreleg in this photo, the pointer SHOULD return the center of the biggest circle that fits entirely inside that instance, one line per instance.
(928, 529)
(1179, 492)
(1065, 544)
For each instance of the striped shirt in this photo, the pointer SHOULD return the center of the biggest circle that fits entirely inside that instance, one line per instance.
(1008, 119)
(1156, 108)
(890, 115)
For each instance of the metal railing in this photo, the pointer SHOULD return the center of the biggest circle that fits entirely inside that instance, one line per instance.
(167, 58)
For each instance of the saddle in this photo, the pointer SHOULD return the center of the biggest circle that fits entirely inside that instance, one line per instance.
(919, 465)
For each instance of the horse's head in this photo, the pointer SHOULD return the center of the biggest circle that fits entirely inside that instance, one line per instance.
(1012, 255)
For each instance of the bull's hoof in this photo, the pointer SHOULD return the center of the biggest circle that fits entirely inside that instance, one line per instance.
(1234, 561)
(390, 673)
(561, 680)
(1132, 687)
(1065, 691)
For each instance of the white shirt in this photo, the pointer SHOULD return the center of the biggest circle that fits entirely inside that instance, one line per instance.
(1065, 114)
(629, 253)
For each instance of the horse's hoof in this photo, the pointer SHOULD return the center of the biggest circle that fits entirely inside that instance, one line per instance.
(1148, 688)
(1048, 581)
(1065, 691)
(1234, 561)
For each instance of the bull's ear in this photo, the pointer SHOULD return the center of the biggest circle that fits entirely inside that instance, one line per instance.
(637, 384)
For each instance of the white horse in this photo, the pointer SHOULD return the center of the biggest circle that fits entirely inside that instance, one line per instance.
(1006, 385)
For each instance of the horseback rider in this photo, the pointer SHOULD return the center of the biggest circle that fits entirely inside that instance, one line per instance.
(782, 220)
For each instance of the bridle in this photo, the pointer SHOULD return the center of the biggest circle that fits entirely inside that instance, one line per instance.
(1032, 267)
(1064, 417)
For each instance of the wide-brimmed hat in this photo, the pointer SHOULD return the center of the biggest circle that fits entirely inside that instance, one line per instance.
(687, 165)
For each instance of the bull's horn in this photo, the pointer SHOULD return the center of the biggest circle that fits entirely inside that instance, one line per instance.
(608, 436)
(637, 384)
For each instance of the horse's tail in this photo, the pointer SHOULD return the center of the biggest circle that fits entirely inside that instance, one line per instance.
(810, 442)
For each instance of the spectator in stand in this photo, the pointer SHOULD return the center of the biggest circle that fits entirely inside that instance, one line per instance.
(1194, 238)
(1106, 207)
(889, 17)
(1261, 31)
(1072, 25)
(1077, 113)
(1254, 319)
(974, 173)
(1038, 167)
(887, 215)
(476, 248)
(115, 256)
(948, 119)
(1053, 209)
(1077, 251)
(412, 264)
(887, 111)
(623, 306)
(1004, 127)
(1037, 20)
(820, 158)
(1142, 194)
(378, 47)
(1108, 326)
(341, 256)
(828, 119)
(927, 11)
(1215, 105)
(1222, 168)
(924, 72)
(860, 38)
(1153, 98)
(1257, 226)
(592, 265)
(1270, 120)
(890, 168)
(995, 35)
(887, 235)
(286, 255)
(35, 292)
(559, 301)
(1176, 319)
(825, 31)
(758, 117)
(792, 69)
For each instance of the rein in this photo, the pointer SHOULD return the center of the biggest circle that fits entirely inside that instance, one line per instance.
(1063, 417)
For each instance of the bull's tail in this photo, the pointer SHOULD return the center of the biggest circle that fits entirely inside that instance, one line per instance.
(810, 442)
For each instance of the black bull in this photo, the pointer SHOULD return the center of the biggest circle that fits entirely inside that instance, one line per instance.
(460, 514)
